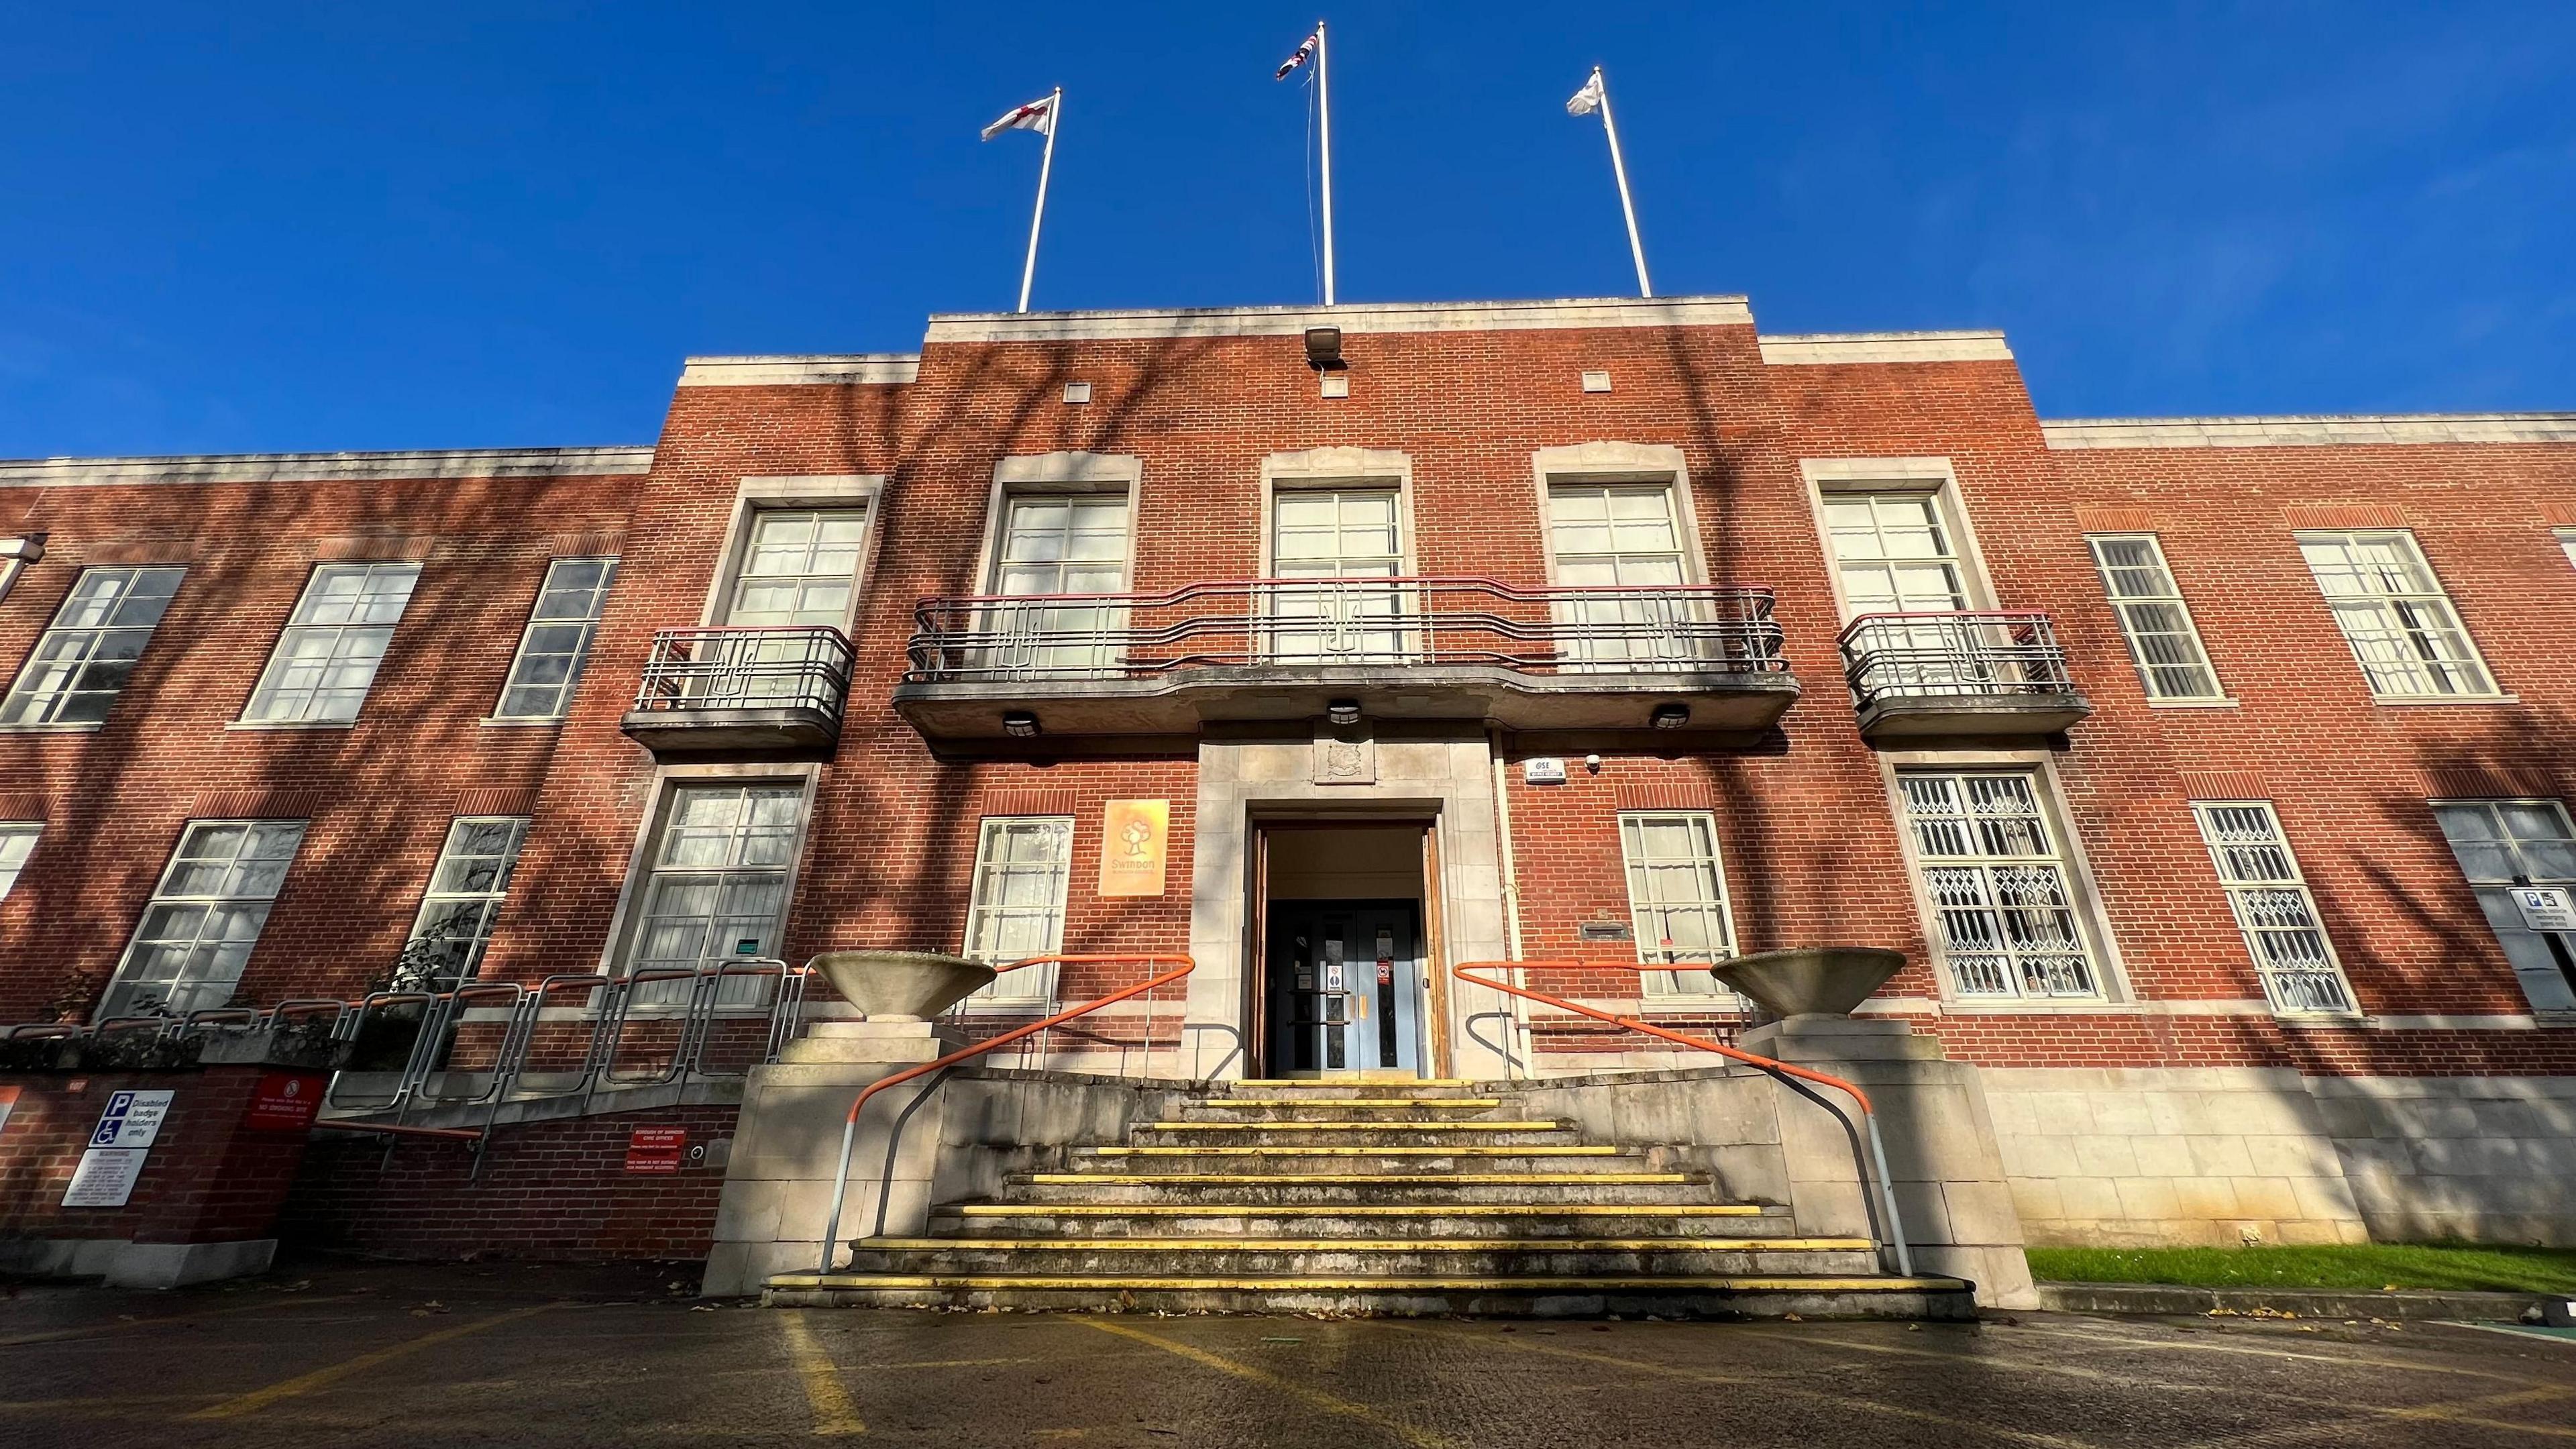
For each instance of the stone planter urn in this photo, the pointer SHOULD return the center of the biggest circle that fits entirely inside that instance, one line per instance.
(902, 985)
(1811, 981)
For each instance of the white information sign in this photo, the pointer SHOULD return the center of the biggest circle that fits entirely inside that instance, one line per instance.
(1543, 770)
(132, 1119)
(105, 1177)
(2546, 908)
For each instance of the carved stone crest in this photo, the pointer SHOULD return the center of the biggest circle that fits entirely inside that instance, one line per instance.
(1345, 757)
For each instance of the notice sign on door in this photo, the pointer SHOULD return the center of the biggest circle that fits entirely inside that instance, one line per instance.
(1131, 847)
(284, 1102)
(656, 1149)
(2546, 908)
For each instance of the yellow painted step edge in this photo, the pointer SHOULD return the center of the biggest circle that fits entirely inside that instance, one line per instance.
(1384, 1245)
(1372, 1210)
(1399, 1125)
(1357, 1179)
(1217, 1149)
(1722, 1283)
(1345, 1083)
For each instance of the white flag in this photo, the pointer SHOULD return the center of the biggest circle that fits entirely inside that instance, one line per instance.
(1037, 115)
(1586, 100)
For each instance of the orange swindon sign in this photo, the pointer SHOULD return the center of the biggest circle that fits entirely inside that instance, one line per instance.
(1131, 846)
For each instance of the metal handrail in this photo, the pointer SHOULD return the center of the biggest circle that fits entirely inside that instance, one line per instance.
(802, 666)
(1962, 652)
(1407, 619)
(1776, 1069)
(850, 1125)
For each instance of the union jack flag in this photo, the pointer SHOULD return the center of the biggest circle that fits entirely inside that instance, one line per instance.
(1305, 53)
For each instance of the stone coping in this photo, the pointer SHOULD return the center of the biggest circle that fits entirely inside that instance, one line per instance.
(2173, 1299)
(414, 464)
(2309, 430)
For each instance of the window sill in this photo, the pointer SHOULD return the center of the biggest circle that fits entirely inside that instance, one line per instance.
(268, 726)
(2322, 1018)
(504, 722)
(91, 728)
(2229, 702)
(2420, 701)
(2063, 1006)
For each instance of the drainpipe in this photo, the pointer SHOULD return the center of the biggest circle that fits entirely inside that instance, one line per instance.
(1521, 1043)
(15, 555)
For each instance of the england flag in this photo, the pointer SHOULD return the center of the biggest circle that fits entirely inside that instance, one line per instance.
(1037, 115)
(1305, 53)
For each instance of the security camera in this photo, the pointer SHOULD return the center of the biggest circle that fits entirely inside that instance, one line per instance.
(1592, 763)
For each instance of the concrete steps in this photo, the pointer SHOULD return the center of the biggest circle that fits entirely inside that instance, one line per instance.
(1345, 1197)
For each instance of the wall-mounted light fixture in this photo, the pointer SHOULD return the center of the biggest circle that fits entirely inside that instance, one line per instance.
(1020, 724)
(1670, 716)
(1343, 711)
(1323, 347)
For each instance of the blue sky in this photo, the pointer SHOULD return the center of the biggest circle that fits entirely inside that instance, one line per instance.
(331, 226)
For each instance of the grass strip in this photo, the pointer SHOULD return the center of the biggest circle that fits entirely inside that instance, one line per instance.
(2367, 1267)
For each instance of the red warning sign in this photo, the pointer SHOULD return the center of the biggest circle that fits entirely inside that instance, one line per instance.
(656, 1149)
(284, 1102)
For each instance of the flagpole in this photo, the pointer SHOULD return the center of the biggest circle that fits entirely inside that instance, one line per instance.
(1324, 102)
(1046, 164)
(1618, 168)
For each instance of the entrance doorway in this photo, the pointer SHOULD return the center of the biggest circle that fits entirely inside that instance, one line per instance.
(1344, 986)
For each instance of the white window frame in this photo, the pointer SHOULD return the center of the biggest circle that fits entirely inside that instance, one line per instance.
(788, 493)
(617, 950)
(2081, 915)
(18, 841)
(2102, 945)
(213, 902)
(1307, 475)
(580, 654)
(433, 898)
(279, 658)
(1830, 477)
(2479, 886)
(2567, 542)
(2129, 634)
(1718, 907)
(1059, 474)
(92, 637)
(1034, 985)
(2294, 882)
(1618, 465)
(2389, 603)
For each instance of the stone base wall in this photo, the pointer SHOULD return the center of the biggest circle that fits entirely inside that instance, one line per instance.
(2173, 1156)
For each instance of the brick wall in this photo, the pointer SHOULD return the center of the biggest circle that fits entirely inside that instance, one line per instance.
(207, 1178)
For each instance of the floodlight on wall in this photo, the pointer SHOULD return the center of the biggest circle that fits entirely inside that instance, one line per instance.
(1020, 724)
(1323, 347)
(1343, 711)
(1670, 716)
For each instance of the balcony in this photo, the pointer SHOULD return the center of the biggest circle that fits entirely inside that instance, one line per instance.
(1914, 675)
(741, 689)
(1700, 659)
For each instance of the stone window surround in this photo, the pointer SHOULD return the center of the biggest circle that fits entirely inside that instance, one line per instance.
(1617, 462)
(1065, 472)
(2116, 992)
(751, 495)
(622, 923)
(1935, 476)
(1338, 468)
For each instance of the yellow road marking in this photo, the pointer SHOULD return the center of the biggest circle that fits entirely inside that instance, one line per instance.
(61, 1333)
(1420, 1438)
(1775, 1386)
(834, 1413)
(1398, 1125)
(258, 1399)
(2452, 1413)
(2129, 1341)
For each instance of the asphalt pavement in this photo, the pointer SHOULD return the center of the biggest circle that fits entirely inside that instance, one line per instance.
(354, 1356)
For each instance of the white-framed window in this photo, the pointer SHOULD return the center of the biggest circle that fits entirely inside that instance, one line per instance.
(326, 660)
(800, 566)
(1322, 534)
(1677, 899)
(466, 887)
(715, 879)
(2567, 542)
(1894, 553)
(2504, 843)
(1055, 544)
(1023, 874)
(2395, 615)
(17, 842)
(1621, 535)
(2155, 622)
(197, 932)
(2003, 896)
(556, 642)
(84, 657)
(2301, 974)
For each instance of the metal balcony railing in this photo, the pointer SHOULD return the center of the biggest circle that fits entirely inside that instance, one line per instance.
(1898, 657)
(798, 668)
(1325, 623)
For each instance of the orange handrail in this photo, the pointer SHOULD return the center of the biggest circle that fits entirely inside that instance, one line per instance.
(1869, 1116)
(850, 1125)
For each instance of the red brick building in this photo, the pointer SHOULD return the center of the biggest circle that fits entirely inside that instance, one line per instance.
(2192, 763)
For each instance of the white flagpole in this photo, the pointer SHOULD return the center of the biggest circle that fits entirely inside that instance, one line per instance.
(1619, 168)
(1046, 164)
(1324, 102)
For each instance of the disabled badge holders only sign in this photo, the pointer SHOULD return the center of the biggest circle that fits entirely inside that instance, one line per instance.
(2546, 908)
(118, 1145)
